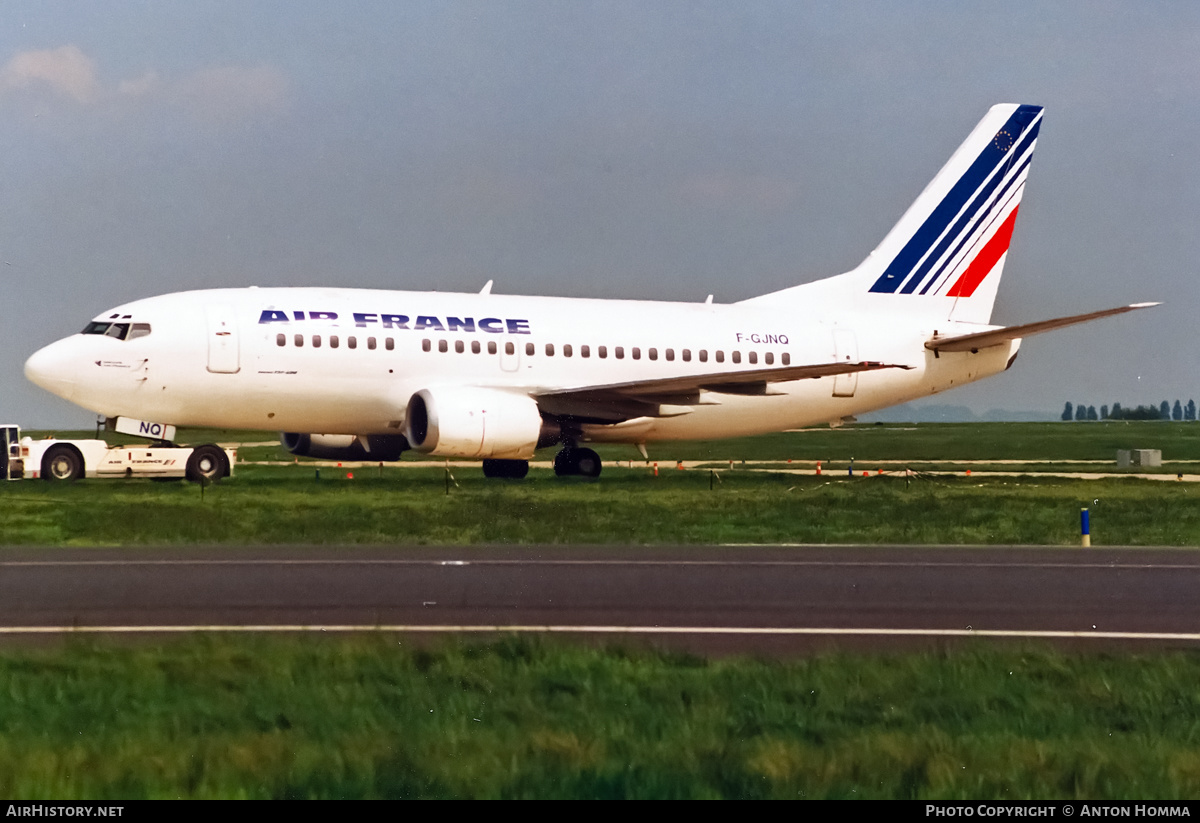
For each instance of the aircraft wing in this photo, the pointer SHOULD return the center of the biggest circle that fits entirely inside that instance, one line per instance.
(671, 396)
(982, 340)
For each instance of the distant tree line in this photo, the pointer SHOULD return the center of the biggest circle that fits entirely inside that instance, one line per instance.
(1163, 411)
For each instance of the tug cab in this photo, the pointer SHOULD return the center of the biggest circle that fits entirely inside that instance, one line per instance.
(12, 467)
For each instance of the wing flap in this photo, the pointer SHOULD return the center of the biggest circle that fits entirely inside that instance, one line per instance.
(645, 398)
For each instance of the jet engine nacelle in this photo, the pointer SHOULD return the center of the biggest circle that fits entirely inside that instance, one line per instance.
(344, 446)
(459, 421)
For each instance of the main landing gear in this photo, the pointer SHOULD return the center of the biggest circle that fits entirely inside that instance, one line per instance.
(576, 461)
(571, 460)
(515, 469)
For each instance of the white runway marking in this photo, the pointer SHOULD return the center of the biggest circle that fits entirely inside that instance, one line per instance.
(709, 630)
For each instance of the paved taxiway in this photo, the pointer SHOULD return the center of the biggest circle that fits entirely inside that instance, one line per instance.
(866, 469)
(718, 598)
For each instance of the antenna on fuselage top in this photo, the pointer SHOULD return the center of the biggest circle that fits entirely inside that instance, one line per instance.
(487, 288)
(708, 300)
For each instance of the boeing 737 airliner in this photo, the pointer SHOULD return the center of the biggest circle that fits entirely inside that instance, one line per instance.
(363, 374)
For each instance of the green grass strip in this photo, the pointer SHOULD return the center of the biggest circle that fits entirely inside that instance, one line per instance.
(375, 716)
(265, 505)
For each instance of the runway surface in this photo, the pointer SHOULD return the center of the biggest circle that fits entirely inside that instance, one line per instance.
(733, 598)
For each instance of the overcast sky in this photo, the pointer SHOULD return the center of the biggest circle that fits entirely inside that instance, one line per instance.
(643, 150)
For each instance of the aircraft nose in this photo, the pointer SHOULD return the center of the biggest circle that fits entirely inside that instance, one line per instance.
(53, 368)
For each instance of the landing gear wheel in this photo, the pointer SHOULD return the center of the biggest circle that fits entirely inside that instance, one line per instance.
(62, 463)
(514, 469)
(587, 463)
(563, 463)
(583, 462)
(207, 464)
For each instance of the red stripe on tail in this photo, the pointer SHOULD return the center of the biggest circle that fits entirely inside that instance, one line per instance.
(985, 261)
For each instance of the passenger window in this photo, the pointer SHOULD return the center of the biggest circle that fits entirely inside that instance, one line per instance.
(549, 349)
(425, 345)
(352, 342)
(299, 341)
(316, 341)
(333, 341)
(603, 352)
(736, 356)
(753, 357)
(510, 348)
(670, 354)
(704, 355)
(530, 349)
(769, 358)
(687, 355)
(720, 356)
(459, 346)
(371, 343)
(443, 346)
(637, 353)
(585, 351)
(567, 350)
(491, 347)
(281, 340)
(620, 352)
(653, 354)
(786, 359)
(389, 343)
(475, 347)
(138, 330)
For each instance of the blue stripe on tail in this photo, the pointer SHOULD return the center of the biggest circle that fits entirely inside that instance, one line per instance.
(965, 236)
(937, 222)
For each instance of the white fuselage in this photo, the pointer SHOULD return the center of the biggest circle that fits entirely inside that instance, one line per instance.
(346, 361)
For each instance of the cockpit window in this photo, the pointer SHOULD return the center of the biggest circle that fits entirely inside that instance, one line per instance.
(121, 331)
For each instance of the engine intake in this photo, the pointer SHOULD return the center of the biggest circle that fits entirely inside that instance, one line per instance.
(458, 421)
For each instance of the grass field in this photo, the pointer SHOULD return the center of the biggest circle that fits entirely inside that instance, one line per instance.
(271, 505)
(415, 503)
(373, 717)
(411, 505)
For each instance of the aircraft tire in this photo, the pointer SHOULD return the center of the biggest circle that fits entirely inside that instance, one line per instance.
(582, 462)
(207, 464)
(62, 463)
(587, 463)
(514, 469)
(564, 463)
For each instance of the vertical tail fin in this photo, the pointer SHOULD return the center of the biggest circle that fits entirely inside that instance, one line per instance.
(953, 240)
(946, 254)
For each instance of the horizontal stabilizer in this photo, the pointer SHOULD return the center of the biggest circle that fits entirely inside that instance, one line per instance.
(984, 339)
